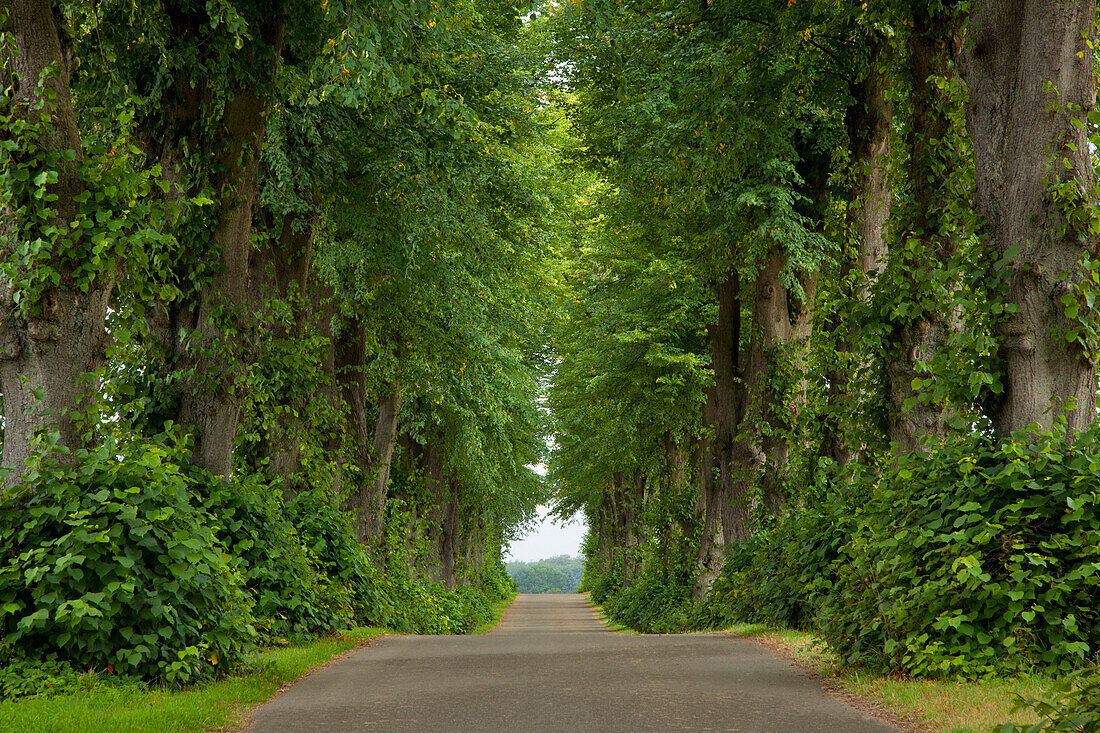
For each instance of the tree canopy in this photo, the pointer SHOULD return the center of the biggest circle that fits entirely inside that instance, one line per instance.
(796, 300)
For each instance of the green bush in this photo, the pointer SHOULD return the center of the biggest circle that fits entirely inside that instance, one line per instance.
(1073, 705)
(109, 563)
(653, 603)
(292, 599)
(782, 575)
(976, 558)
(25, 678)
(326, 532)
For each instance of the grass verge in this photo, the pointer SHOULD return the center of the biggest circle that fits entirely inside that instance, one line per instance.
(943, 706)
(220, 704)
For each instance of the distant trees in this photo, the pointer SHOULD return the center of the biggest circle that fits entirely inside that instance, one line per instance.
(561, 574)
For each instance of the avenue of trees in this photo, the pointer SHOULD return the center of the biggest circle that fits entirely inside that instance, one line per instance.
(827, 355)
(271, 307)
(802, 295)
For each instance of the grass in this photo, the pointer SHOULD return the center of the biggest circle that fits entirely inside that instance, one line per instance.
(216, 704)
(944, 706)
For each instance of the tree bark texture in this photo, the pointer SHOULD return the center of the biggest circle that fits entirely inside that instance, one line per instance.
(869, 126)
(763, 451)
(281, 270)
(208, 336)
(385, 437)
(350, 355)
(61, 338)
(1027, 64)
(724, 516)
(931, 161)
(733, 493)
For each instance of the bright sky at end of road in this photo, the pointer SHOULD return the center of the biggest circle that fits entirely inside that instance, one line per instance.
(548, 538)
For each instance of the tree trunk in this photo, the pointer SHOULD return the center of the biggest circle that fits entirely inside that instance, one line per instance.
(723, 503)
(868, 122)
(350, 357)
(929, 243)
(385, 437)
(281, 270)
(436, 489)
(48, 346)
(451, 529)
(772, 340)
(208, 337)
(1029, 70)
(708, 511)
(733, 493)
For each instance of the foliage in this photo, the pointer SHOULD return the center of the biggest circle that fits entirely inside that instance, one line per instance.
(560, 574)
(1073, 704)
(976, 557)
(326, 536)
(109, 562)
(24, 678)
(292, 597)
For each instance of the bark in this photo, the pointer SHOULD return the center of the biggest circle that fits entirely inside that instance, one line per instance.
(208, 337)
(62, 339)
(281, 270)
(350, 355)
(722, 500)
(733, 493)
(385, 437)
(633, 494)
(931, 159)
(438, 519)
(772, 341)
(710, 552)
(1024, 143)
(868, 122)
(451, 539)
(321, 298)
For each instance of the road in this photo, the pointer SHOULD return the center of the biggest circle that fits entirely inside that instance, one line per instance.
(550, 665)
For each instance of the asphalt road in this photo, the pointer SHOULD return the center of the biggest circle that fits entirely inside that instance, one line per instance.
(552, 666)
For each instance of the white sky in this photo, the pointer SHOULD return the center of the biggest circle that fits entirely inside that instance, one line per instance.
(548, 538)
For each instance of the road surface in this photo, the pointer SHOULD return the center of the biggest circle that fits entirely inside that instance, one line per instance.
(552, 666)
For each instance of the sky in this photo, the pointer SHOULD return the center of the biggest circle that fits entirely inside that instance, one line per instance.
(548, 538)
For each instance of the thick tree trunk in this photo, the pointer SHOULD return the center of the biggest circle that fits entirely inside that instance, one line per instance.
(733, 493)
(868, 123)
(281, 270)
(708, 511)
(451, 528)
(1029, 70)
(772, 340)
(435, 485)
(385, 437)
(349, 365)
(931, 161)
(322, 300)
(210, 404)
(208, 337)
(723, 502)
(47, 349)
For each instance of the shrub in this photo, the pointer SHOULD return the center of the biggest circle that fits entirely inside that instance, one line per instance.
(325, 531)
(1073, 705)
(292, 599)
(108, 562)
(976, 558)
(782, 575)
